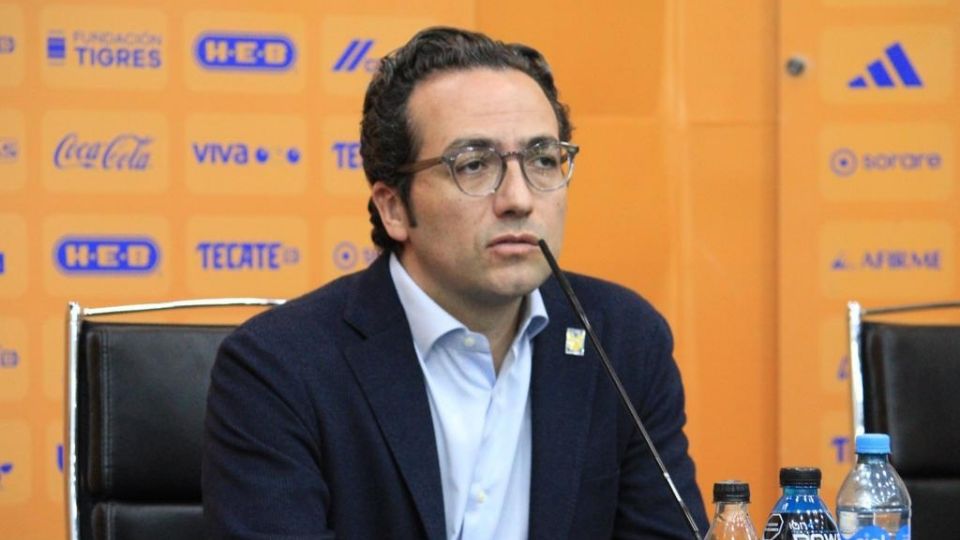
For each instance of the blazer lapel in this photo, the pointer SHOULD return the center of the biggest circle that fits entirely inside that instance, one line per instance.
(561, 393)
(388, 371)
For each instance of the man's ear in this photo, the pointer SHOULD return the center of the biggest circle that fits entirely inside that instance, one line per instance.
(392, 211)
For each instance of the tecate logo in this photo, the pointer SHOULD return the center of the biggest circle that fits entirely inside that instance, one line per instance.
(245, 52)
(126, 151)
(348, 154)
(239, 256)
(97, 255)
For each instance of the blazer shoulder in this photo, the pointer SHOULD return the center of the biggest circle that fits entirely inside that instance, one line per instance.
(609, 296)
(321, 306)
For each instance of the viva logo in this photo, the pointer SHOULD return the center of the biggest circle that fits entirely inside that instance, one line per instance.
(214, 153)
(124, 152)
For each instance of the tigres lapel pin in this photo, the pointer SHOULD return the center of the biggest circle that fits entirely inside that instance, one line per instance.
(575, 341)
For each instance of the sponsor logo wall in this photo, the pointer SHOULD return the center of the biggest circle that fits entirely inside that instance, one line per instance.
(868, 197)
(160, 153)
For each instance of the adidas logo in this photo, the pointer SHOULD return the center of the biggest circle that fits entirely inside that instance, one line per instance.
(880, 76)
(351, 57)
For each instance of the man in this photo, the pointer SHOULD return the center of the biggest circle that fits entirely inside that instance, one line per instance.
(443, 392)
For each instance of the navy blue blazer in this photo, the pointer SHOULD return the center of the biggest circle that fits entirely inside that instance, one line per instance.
(318, 424)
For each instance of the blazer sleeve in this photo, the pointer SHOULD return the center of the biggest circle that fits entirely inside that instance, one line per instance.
(261, 474)
(646, 507)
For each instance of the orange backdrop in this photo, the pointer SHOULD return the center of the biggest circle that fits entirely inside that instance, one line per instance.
(704, 184)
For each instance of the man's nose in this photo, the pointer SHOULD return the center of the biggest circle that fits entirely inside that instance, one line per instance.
(514, 195)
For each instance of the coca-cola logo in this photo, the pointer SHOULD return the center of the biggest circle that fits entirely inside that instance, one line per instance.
(124, 152)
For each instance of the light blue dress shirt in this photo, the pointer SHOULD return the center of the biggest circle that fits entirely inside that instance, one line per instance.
(481, 420)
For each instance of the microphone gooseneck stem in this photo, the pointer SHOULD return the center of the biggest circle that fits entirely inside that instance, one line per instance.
(624, 398)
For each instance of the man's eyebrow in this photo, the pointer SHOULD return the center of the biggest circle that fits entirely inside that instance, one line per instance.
(471, 141)
(490, 143)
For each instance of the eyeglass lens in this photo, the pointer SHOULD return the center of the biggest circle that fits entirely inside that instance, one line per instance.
(478, 170)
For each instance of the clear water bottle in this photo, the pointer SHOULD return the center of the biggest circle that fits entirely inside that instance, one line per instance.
(873, 503)
(800, 514)
(731, 521)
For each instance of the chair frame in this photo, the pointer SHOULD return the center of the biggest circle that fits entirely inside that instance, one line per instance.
(856, 314)
(76, 314)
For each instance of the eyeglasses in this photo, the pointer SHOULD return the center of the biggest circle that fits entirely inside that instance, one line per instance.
(479, 170)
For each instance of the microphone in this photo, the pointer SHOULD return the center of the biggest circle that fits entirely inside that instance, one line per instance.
(624, 398)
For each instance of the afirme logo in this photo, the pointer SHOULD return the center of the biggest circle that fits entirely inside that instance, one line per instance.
(880, 76)
(348, 155)
(890, 260)
(105, 49)
(123, 152)
(355, 55)
(9, 149)
(246, 51)
(251, 255)
(7, 44)
(238, 153)
(9, 358)
(108, 254)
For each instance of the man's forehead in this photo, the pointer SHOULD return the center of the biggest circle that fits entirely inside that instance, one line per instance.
(495, 107)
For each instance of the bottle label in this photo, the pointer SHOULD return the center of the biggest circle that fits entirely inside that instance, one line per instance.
(774, 527)
(799, 527)
(873, 532)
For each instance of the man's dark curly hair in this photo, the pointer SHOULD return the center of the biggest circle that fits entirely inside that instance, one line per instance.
(387, 139)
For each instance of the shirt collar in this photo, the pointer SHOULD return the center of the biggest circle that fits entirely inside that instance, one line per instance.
(429, 322)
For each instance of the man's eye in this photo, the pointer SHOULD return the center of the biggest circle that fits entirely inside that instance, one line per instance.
(472, 166)
(473, 163)
(544, 161)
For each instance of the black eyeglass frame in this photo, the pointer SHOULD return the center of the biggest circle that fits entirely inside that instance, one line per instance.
(450, 157)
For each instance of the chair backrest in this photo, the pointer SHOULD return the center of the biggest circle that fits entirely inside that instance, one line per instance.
(136, 398)
(905, 380)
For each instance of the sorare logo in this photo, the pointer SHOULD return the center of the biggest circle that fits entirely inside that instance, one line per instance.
(122, 152)
(880, 76)
(348, 256)
(356, 56)
(9, 149)
(88, 255)
(9, 358)
(245, 51)
(221, 153)
(7, 44)
(845, 162)
(105, 49)
(239, 256)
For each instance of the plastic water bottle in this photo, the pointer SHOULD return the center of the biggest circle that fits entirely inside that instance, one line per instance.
(873, 503)
(800, 514)
(731, 521)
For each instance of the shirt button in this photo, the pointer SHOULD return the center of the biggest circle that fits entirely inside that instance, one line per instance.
(481, 496)
(469, 341)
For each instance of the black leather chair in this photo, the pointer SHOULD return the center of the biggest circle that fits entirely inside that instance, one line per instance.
(906, 382)
(136, 399)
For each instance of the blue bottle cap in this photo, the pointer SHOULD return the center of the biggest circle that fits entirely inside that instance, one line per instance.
(873, 443)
